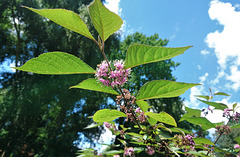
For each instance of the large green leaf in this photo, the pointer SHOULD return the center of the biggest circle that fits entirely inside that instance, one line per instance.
(163, 89)
(65, 18)
(219, 106)
(106, 115)
(93, 84)
(105, 21)
(162, 117)
(143, 105)
(190, 113)
(221, 93)
(143, 54)
(203, 141)
(56, 63)
(201, 121)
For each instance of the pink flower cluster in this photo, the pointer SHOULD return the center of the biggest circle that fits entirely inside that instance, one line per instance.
(226, 113)
(150, 150)
(129, 152)
(112, 78)
(190, 139)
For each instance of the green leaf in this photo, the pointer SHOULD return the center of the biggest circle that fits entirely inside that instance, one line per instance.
(93, 84)
(221, 93)
(134, 134)
(105, 21)
(56, 63)
(180, 130)
(143, 54)
(152, 121)
(235, 126)
(234, 106)
(65, 18)
(106, 115)
(162, 117)
(237, 139)
(143, 105)
(163, 89)
(93, 125)
(190, 113)
(203, 141)
(201, 121)
(219, 106)
(203, 96)
(113, 152)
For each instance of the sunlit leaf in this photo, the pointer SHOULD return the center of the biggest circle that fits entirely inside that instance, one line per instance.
(221, 93)
(162, 117)
(93, 84)
(93, 125)
(203, 96)
(202, 141)
(65, 18)
(143, 54)
(106, 115)
(201, 121)
(235, 126)
(219, 106)
(56, 63)
(143, 105)
(163, 89)
(190, 113)
(105, 21)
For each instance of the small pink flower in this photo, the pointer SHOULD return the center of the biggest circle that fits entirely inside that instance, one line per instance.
(128, 151)
(226, 112)
(108, 125)
(150, 150)
(138, 110)
(236, 146)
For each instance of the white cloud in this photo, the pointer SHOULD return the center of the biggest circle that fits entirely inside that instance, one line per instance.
(204, 52)
(203, 78)
(113, 5)
(234, 77)
(226, 41)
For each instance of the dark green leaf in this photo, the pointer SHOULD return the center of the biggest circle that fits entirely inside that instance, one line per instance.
(237, 139)
(105, 21)
(93, 84)
(56, 63)
(163, 89)
(106, 115)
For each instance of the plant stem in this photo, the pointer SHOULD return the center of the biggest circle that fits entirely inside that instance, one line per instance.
(105, 57)
(219, 136)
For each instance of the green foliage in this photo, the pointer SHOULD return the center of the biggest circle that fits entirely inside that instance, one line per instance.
(201, 121)
(56, 63)
(93, 84)
(162, 117)
(105, 21)
(203, 141)
(143, 105)
(106, 115)
(163, 89)
(219, 106)
(65, 18)
(143, 54)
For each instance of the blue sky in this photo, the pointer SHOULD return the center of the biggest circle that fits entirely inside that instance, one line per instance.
(212, 27)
